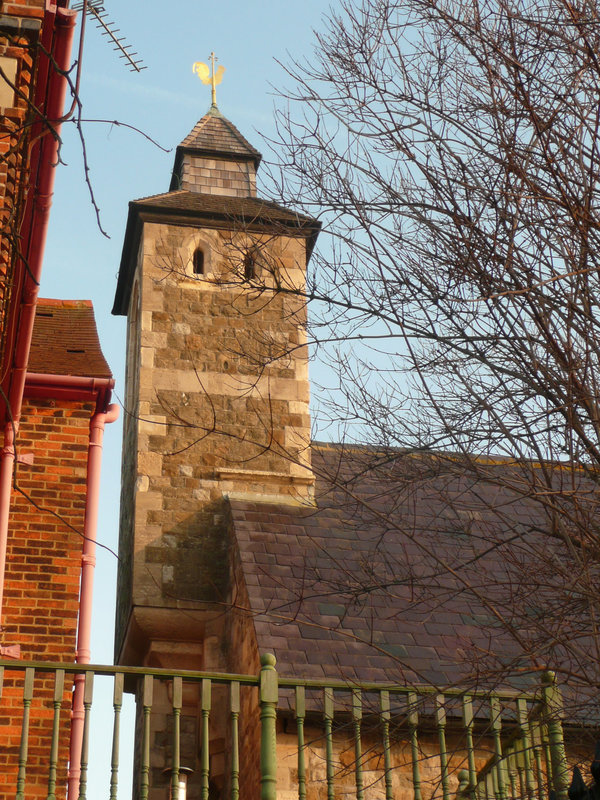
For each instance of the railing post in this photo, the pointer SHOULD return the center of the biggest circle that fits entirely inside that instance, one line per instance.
(300, 716)
(147, 692)
(268, 696)
(234, 702)
(59, 686)
(23, 749)
(553, 712)
(177, 706)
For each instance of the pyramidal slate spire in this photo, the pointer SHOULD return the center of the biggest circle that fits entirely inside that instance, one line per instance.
(214, 158)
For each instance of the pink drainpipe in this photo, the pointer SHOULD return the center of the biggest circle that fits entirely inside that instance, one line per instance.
(80, 388)
(88, 563)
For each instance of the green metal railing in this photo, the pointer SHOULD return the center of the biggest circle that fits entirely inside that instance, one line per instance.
(532, 761)
(253, 735)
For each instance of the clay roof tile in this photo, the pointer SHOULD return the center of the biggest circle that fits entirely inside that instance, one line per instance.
(65, 340)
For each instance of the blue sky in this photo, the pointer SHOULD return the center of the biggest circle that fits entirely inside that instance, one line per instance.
(165, 101)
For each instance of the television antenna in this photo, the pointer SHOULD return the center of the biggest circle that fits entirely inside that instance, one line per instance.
(98, 13)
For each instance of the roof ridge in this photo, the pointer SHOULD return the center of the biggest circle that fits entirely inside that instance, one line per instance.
(57, 303)
(186, 200)
(200, 138)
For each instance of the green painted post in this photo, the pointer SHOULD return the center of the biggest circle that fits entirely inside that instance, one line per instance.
(547, 758)
(300, 715)
(114, 761)
(463, 783)
(526, 748)
(357, 719)
(521, 775)
(88, 691)
(234, 703)
(328, 710)
(537, 752)
(23, 749)
(413, 724)
(59, 687)
(499, 767)
(468, 725)
(513, 775)
(384, 698)
(494, 782)
(268, 697)
(177, 705)
(440, 715)
(205, 751)
(147, 692)
(553, 712)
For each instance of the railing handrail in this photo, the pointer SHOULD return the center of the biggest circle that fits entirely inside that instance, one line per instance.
(104, 669)
(418, 688)
(284, 682)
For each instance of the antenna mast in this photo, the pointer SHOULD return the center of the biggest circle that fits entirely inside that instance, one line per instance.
(97, 11)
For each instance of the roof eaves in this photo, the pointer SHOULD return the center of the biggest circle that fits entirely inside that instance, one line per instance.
(254, 213)
(148, 209)
(131, 241)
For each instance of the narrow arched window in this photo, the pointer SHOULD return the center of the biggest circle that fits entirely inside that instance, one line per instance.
(250, 266)
(198, 261)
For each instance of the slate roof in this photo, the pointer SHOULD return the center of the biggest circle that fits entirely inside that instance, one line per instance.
(215, 134)
(406, 583)
(226, 207)
(65, 340)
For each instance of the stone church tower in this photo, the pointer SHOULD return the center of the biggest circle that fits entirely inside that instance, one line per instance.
(216, 390)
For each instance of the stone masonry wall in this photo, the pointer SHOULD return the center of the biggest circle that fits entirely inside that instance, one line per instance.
(372, 763)
(223, 403)
(42, 579)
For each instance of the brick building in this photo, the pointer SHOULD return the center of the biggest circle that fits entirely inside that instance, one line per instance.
(55, 390)
(47, 581)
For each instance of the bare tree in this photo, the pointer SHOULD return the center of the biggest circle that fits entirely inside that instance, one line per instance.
(451, 149)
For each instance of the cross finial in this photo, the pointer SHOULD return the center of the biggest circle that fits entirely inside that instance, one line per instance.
(206, 75)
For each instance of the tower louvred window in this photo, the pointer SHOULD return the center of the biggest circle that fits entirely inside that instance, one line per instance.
(198, 261)
(249, 266)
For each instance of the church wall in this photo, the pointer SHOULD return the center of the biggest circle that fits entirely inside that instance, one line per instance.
(372, 762)
(221, 406)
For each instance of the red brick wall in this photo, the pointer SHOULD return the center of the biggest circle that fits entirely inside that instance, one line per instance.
(42, 580)
(44, 556)
(24, 8)
(18, 41)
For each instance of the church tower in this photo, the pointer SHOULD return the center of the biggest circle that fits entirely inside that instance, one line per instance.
(217, 392)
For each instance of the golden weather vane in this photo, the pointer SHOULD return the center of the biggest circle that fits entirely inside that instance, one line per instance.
(204, 73)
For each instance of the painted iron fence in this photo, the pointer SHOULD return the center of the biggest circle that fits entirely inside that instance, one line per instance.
(203, 736)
